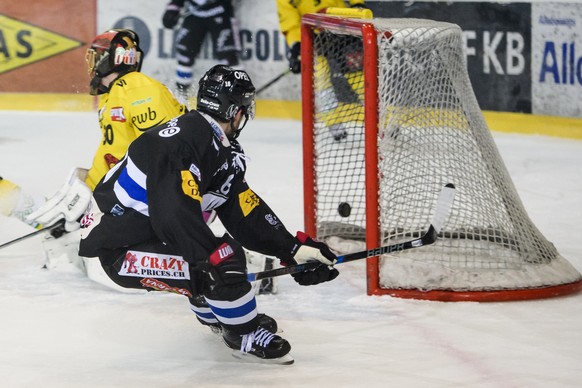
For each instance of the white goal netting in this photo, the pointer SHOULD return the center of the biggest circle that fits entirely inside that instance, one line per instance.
(430, 132)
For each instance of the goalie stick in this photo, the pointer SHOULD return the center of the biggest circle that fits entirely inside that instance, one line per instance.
(441, 212)
(56, 225)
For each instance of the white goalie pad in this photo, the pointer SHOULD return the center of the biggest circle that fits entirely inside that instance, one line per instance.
(95, 272)
(257, 262)
(61, 254)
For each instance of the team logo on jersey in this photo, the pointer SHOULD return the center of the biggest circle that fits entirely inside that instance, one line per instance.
(117, 210)
(142, 101)
(145, 264)
(189, 186)
(248, 201)
(117, 114)
(170, 131)
(273, 220)
(87, 220)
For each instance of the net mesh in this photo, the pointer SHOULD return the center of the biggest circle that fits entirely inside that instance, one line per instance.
(430, 132)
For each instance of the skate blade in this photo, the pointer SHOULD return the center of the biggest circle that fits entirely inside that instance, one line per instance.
(246, 357)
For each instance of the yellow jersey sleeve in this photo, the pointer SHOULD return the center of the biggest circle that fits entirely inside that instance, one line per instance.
(134, 104)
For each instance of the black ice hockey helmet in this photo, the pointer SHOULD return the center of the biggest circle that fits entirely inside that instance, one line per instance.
(223, 91)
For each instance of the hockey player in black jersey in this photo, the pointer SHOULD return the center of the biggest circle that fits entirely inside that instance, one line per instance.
(146, 222)
(199, 19)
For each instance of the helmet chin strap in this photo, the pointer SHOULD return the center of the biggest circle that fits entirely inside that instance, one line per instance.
(237, 130)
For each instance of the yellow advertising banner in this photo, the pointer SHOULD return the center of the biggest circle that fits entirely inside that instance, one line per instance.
(22, 43)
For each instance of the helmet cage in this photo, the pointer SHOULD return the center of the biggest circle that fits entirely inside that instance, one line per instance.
(113, 51)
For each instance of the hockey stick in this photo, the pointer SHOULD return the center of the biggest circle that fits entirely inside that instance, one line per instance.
(442, 209)
(45, 229)
(271, 82)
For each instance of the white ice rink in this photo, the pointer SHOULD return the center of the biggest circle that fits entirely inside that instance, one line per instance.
(59, 329)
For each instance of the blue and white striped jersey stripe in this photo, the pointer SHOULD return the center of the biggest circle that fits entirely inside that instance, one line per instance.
(130, 188)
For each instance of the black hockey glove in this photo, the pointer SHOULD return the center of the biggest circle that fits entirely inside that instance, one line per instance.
(171, 16)
(295, 58)
(228, 263)
(307, 249)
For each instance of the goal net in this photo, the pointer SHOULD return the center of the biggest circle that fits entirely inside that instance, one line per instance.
(389, 117)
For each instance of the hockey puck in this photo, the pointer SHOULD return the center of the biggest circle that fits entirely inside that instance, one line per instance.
(344, 209)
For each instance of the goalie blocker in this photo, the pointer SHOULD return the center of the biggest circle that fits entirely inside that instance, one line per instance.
(69, 203)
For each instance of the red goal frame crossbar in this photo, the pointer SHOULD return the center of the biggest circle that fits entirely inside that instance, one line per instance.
(310, 23)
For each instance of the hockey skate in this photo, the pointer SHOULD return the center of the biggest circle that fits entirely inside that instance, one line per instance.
(265, 322)
(261, 345)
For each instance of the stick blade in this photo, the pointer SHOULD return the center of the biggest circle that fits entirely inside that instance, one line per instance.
(443, 206)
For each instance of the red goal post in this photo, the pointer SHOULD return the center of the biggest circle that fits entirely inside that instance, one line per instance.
(382, 147)
(308, 24)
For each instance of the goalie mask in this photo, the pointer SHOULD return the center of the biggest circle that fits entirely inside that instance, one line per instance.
(114, 51)
(223, 91)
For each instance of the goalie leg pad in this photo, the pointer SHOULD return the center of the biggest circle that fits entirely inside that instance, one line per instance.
(62, 251)
(257, 262)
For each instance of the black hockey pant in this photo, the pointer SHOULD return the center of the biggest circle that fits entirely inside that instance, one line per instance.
(153, 267)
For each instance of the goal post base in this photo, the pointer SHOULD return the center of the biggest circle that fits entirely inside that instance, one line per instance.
(483, 296)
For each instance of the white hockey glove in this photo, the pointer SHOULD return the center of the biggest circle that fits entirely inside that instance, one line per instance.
(69, 203)
(307, 249)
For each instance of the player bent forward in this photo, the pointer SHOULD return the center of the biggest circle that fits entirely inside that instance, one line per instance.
(147, 228)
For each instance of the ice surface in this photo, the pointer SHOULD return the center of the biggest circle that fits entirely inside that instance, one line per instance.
(59, 329)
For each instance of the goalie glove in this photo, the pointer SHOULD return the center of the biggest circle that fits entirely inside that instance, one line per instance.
(69, 203)
(307, 249)
(295, 58)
